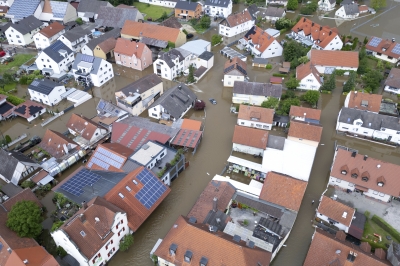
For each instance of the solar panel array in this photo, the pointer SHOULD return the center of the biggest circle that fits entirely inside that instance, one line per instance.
(35, 83)
(58, 8)
(87, 58)
(152, 190)
(375, 42)
(105, 158)
(76, 183)
(57, 46)
(101, 105)
(22, 8)
(396, 49)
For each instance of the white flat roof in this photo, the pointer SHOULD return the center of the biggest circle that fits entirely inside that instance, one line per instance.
(147, 152)
(77, 96)
(239, 185)
(296, 160)
(246, 163)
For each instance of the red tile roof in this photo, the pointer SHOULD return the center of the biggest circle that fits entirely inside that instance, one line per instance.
(255, 113)
(107, 45)
(83, 126)
(251, 137)
(373, 100)
(260, 38)
(304, 70)
(310, 113)
(54, 142)
(384, 47)
(219, 248)
(187, 138)
(304, 130)
(191, 124)
(283, 190)
(39, 176)
(136, 211)
(36, 256)
(52, 29)
(334, 58)
(237, 64)
(238, 18)
(276, 80)
(336, 211)
(132, 28)
(25, 194)
(129, 47)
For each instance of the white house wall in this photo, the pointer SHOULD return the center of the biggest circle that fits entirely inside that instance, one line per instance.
(222, 11)
(309, 82)
(16, 38)
(86, 50)
(304, 141)
(169, 4)
(229, 80)
(43, 42)
(70, 14)
(155, 112)
(392, 90)
(53, 98)
(341, 226)
(227, 31)
(385, 57)
(254, 124)
(104, 74)
(251, 99)
(247, 149)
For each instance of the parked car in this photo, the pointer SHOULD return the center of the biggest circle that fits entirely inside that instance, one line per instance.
(213, 101)
(189, 36)
(2, 53)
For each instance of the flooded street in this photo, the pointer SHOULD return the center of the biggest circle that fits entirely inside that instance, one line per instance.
(216, 145)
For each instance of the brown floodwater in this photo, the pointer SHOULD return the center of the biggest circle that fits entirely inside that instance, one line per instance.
(216, 145)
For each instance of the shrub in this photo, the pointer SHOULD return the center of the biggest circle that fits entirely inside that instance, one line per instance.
(61, 252)
(79, 21)
(279, 75)
(23, 80)
(56, 225)
(216, 39)
(28, 184)
(14, 100)
(387, 227)
(126, 242)
(367, 214)
(340, 72)
(268, 66)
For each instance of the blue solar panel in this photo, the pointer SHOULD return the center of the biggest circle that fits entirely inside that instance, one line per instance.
(87, 58)
(21, 8)
(375, 42)
(396, 49)
(57, 46)
(58, 8)
(82, 179)
(152, 190)
(101, 105)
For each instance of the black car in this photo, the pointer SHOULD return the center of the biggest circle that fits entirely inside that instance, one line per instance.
(213, 101)
(189, 36)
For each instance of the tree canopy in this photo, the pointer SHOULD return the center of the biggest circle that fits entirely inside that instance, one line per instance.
(292, 51)
(372, 79)
(350, 83)
(292, 4)
(311, 97)
(284, 23)
(292, 83)
(286, 104)
(271, 103)
(216, 39)
(378, 4)
(329, 83)
(126, 242)
(25, 219)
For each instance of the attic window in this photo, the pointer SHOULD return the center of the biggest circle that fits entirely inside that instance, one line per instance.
(364, 178)
(381, 181)
(172, 249)
(344, 170)
(134, 182)
(83, 233)
(188, 256)
(203, 261)
(344, 214)
(121, 195)
(128, 188)
(354, 173)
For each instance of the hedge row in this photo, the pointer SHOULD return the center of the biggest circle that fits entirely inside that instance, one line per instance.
(387, 227)
(279, 75)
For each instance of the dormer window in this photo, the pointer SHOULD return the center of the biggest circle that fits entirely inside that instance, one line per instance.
(188, 256)
(344, 170)
(354, 173)
(381, 181)
(172, 249)
(365, 176)
(203, 261)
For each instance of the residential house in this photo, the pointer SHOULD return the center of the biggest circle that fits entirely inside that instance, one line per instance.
(319, 37)
(369, 176)
(88, 10)
(256, 117)
(254, 92)
(171, 64)
(137, 96)
(87, 132)
(132, 54)
(277, 3)
(195, 48)
(254, 10)
(139, 193)
(3, 10)
(173, 104)
(57, 144)
(283, 190)
(392, 82)
(136, 30)
(327, 61)
(218, 8)
(111, 157)
(349, 11)
(210, 248)
(76, 38)
(23, 194)
(105, 49)
(309, 77)
(172, 22)
(274, 13)
(58, 11)
(363, 9)
(204, 63)
(305, 132)
(90, 69)
(261, 44)
(29, 110)
(305, 114)
(187, 10)
(249, 140)
(363, 101)
(236, 23)
(93, 234)
(90, 47)
(166, 3)
(108, 113)
(335, 213)
(48, 35)
(326, 5)
(149, 154)
(260, 62)
(324, 251)
(384, 49)
(55, 59)
(368, 124)
(115, 17)
(22, 32)
(234, 70)
(15, 166)
(46, 91)
(6, 108)
(21, 9)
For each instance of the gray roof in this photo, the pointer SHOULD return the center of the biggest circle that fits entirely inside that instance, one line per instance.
(5, 27)
(91, 5)
(154, 42)
(369, 119)
(114, 33)
(345, 2)
(256, 88)
(274, 11)
(176, 100)
(145, 123)
(206, 55)
(219, 3)
(393, 79)
(27, 25)
(76, 33)
(53, 51)
(167, 57)
(281, 118)
(186, 5)
(21, 8)
(171, 22)
(351, 9)
(253, 10)
(11, 190)
(142, 85)
(115, 17)
(9, 161)
(276, 142)
(96, 61)
(44, 86)
(260, 60)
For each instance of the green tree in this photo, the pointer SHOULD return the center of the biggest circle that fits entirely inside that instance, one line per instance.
(380, 65)
(378, 4)
(283, 23)
(271, 103)
(362, 53)
(292, 4)
(205, 22)
(25, 219)
(293, 50)
(8, 78)
(330, 83)
(28, 183)
(190, 78)
(288, 94)
(216, 39)
(372, 79)
(350, 83)
(365, 40)
(311, 97)
(79, 21)
(126, 242)
(362, 66)
(193, 21)
(164, 16)
(2, 83)
(56, 225)
(303, 59)
(292, 83)
(8, 138)
(286, 104)
(235, 1)
(355, 43)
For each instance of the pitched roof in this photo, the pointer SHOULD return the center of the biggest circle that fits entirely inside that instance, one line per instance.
(27, 25)
(176, 100)
(310, 113)
(96, 232)
(128, 47)
(256, 88)
(364, 101)
(43, 86)
(142, 85)
(52, 29)
(322, 36)
(253, 9)
(223, 191)
(25, 194)
(393, 79)
(306, 69)
(114, 33)
(235, 64)
(255, 113)
(238, 18)
(334, 58)
(171, 22)
(132, 28)
(21, 8)
(9, 163)
(357, 225)
(363, 8)
(304, 130)
(83, 126)
(259, 38)
(336, 211)
(53, 51)
(91, 5)
(186, 5)
(133, 198)
(386, 47)
(171, 55)
(283, 190)
(37, 256)
(109, 157)
(109, 16)
(95, 61)
(251, 137)
(76, 33)
(108, 45)
(191, 124)
(217, 248)
(272, 11)
(6, 109)
(351, 9)
(324, 247)
(28, 108)
(55, 143)
(218, 3)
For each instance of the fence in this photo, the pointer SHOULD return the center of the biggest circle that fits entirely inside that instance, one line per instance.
(50, 119)
(17, 140)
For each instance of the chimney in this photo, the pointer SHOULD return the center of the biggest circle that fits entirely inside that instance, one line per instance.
(353, 154)
(84, 205)
(215, 204)
(312, 24)
(180, 87)
(304, 20)
(365, 157)
(82, 217)
(305, 114)
(320, 28)
(393, 39)
(330, 33)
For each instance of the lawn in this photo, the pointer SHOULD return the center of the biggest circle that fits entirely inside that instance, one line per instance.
(370, 228)
(9, 87)
(151, 11)
(19, 59)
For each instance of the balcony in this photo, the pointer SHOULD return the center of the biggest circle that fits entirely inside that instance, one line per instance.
(82, 73)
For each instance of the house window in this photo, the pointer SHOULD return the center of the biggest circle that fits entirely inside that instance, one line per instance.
(351, 185)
